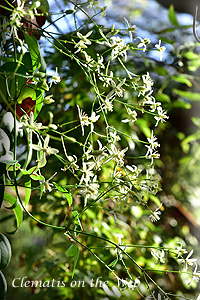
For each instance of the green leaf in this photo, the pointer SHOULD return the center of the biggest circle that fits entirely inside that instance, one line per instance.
(43, 65)
(113, 263)
(7, 59)
(69, 198)
(191, 55)
(27, 183)
(143, 125)
(193, 65)
(37, 177)
(33, 170)
(191, 138)
(27, 61)
(189, 95)
(172, 16)
(182, 79)
(193, 60)
(179, 104)
(73, 251)
(39, 102)
(14, 73)
(166, 30)
(161, 97)
(42, 187)
(166, 40)
(65, 192)
(196, 121)
(44, 6)
(13, 167)
(17, 210)
(34, 50)
(77, 220)
(155, 199)
(34, 175)
(161, 71)
(12, 206)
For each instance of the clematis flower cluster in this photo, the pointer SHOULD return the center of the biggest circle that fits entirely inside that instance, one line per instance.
(151, 148)
(18, 13)
(118, 47)
(112, 152)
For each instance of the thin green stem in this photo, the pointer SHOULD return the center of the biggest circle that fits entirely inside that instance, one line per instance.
(30, 215)
(141, 271)
(90, 205)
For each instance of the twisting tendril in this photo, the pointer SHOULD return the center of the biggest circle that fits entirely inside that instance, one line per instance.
(194, 24)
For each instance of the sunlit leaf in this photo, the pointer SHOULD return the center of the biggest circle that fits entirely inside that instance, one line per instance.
(172, 16)
(77, 220)
(44, 6)
(113, 263)
(17, 210)
(155, 199)
(191, 55)
(186, 94)
(179, 104)
(196, 121)
(73, 251)
(193, 60)
(161, 97)
(34, 50)
(27, 184)
(33, 173)
(20, 76)
(143, 125)
(182, 79)
(193, 65)
(65, 192)
(39, 102)
(191, 138)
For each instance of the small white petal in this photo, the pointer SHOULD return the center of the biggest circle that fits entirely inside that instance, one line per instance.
(36, 147)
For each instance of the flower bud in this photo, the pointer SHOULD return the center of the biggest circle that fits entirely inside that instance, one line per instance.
(37, 4)
(48, 99)
(53, 126)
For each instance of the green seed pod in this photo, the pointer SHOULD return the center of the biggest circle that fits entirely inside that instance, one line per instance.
(70, 11)
(48, 99)
(39, 74)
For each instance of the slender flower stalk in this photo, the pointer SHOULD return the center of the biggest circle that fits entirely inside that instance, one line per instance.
(131, 29)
